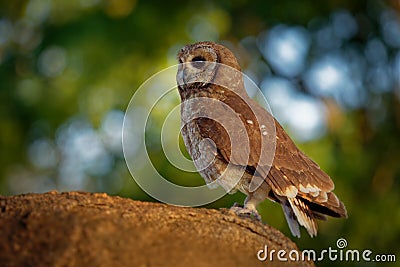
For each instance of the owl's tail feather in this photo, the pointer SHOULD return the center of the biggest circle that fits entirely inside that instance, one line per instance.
(291, 218)
(298, 212)
(330, 205)
(304, 212)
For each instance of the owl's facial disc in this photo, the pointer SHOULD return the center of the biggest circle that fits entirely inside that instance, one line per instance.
(198, 66)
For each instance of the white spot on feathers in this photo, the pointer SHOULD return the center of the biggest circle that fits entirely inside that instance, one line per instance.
(309, 189)
(291, 191)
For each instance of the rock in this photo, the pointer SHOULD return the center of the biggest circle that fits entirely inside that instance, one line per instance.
(93, 229)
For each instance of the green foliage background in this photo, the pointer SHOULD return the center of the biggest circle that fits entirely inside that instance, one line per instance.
(66, 63)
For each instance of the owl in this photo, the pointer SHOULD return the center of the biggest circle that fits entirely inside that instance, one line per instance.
(239, 145)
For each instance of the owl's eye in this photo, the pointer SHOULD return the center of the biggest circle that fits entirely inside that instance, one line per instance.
(198, 62)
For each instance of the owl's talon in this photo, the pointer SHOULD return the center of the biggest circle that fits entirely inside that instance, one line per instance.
(237, 205)
(245, 212)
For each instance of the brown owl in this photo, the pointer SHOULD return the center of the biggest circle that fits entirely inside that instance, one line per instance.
(237, 144)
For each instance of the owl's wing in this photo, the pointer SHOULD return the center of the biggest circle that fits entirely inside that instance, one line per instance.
(293, 174)
(243, 133)
(289, 172)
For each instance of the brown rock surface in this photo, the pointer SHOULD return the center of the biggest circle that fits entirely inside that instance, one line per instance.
(84, 229)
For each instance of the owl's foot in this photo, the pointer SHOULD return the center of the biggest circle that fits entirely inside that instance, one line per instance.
(236, 205)
(245, 212)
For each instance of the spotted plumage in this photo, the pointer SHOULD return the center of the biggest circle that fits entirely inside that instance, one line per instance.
(236, 142)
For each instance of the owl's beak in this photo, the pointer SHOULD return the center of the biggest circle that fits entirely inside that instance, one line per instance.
(185, 75)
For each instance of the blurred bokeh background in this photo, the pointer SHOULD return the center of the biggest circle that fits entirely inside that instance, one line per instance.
(329, 69)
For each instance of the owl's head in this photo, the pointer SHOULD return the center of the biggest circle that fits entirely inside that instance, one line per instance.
(199, 64)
